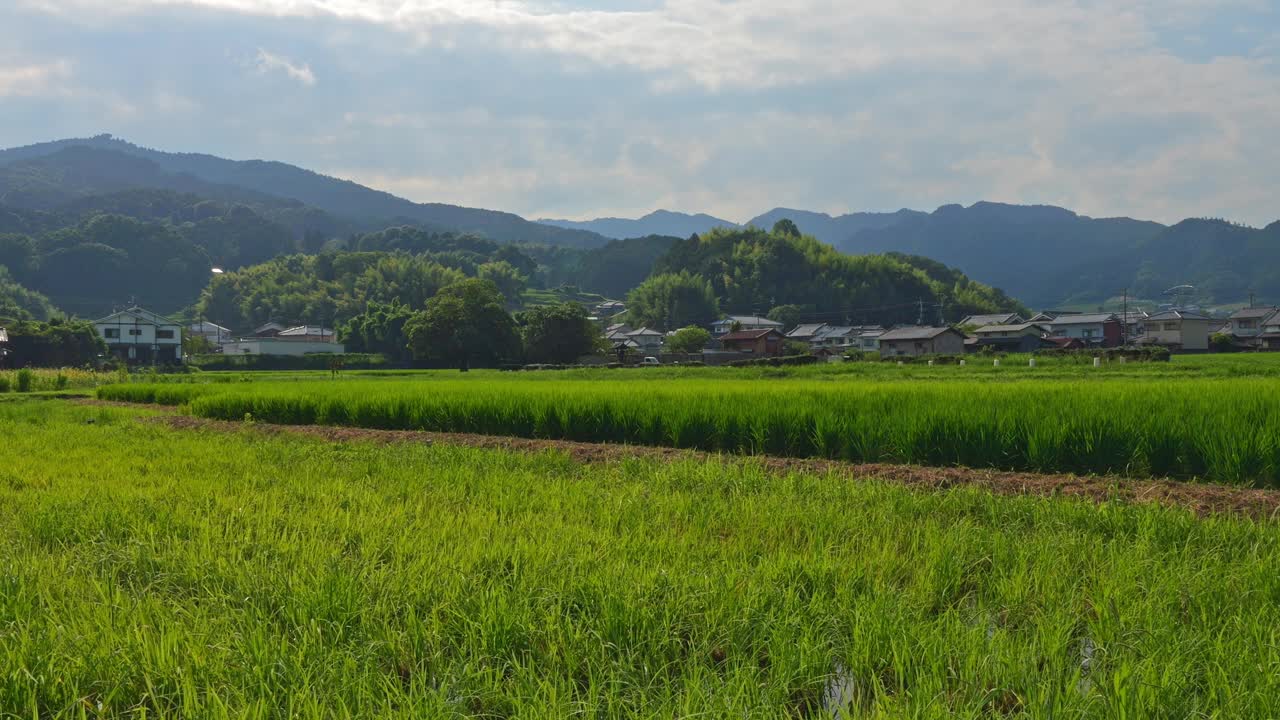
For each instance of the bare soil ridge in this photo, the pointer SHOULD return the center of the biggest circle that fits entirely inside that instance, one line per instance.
(1203, 499)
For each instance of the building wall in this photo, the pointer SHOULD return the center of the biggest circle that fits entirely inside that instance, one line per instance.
(945, 344)
(1195, 334)
(1104, 334)
(948, 344)
(269, 346)
(1189, 333)
(145, 347)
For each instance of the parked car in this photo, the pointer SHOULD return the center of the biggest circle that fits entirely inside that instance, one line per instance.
(650, 361)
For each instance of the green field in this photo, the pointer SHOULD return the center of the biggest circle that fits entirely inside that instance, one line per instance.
(161, 573)
(1206, 418)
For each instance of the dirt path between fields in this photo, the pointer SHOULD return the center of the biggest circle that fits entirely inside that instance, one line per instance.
(1204, 499)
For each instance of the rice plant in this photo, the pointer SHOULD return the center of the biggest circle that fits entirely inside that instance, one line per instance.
(1216, 429)
(160, 573)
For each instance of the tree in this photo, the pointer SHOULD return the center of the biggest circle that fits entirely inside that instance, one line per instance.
(464, 325)
(786, 227)
(673, 300)
(559, 333)
(788, 315)
(506, 278)
(690, 340)
(379, 329)
(795, 347)
(20, 303)
(56, 343)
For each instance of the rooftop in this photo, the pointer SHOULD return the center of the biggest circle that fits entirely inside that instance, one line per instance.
(915, 333)
(748, 334)
(1257, 313)
(748, 320)
(1177, 315)
(995, 319)
(1007, 328)
(807, 330)
(138, 314)
(306, 331)
(1085, 319)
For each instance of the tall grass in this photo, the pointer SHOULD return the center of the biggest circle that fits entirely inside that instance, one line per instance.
(47, 379)
(1224, 431)
(146, 572)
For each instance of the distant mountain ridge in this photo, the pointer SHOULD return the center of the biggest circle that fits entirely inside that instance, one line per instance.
(246, 210)
(1046, 255)
(368, 208)
(659, 222)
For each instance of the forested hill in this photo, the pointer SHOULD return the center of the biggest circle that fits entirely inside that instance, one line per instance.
(115, 166)
(1049, 256)
(755, 271)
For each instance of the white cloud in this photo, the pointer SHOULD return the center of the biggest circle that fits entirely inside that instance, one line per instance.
(28, 80)
(270, 62)
(827, 104)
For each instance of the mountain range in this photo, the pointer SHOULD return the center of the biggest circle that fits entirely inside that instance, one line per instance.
(1044, 256)
(46, 174)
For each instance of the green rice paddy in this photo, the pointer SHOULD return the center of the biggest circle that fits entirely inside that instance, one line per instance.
(1206, 420)
(148, 572)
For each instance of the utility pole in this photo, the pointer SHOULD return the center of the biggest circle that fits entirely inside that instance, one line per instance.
(1250, 299)
(941, 322)
(1124, 321)
(920, 316)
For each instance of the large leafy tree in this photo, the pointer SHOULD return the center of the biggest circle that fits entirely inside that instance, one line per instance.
(380, 329)
(673, 300)
(56, 343)
(464, 325)
(558, 333)
(506, 278)
(328, 288)
(689, 340)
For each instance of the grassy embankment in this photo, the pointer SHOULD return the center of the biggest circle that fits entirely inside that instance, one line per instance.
(149, 572)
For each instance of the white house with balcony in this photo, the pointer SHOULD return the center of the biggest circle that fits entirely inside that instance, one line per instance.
(141, 337)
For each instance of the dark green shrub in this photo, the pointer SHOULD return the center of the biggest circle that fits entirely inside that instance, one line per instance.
(24, 380)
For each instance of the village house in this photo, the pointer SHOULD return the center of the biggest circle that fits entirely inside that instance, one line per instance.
(978, 321)
(1020, 337)
(869, 339)
(610, 308)
(141, 337)
(270, 329)
(215, 334)
(647, 341)
(1246, 325)
(1178, 330)
(842, 338)
(282, 346)
(1269, 339)
(744, 322)
(806, 333)
(1134, 323)
(917, 341)
(1093, 329)
(308, 333)
(767, 342)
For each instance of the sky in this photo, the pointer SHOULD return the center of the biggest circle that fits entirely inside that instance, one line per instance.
(1157, 109)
